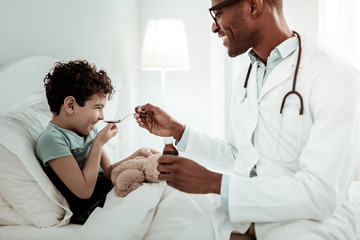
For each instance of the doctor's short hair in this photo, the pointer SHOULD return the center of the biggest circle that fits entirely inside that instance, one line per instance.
(77, 78)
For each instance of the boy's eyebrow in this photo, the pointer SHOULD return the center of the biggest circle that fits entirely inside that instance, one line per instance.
(99, 104)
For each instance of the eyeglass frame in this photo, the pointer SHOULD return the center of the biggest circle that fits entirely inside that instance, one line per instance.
(219, 6)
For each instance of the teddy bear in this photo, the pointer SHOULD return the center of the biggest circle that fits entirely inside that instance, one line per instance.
(130, 174)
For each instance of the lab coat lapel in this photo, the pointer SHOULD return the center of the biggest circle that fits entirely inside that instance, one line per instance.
(245, 122)
(252, 86)
(280, 74)
(243, 112)
(253, 103)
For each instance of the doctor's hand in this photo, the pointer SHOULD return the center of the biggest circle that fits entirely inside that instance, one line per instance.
(187, 175)
(158, 122)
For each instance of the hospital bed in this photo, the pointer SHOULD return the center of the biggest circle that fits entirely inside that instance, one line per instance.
(32, 208)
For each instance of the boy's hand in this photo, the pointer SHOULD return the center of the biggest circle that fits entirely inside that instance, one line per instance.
(146, 152)
(109, 131)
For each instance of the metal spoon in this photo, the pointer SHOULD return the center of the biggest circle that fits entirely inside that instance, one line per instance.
(120, 120)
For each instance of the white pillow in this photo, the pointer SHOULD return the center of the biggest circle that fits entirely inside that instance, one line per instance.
(9, 216)
(23, 183)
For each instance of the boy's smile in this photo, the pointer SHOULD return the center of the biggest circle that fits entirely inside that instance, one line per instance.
(85, 118)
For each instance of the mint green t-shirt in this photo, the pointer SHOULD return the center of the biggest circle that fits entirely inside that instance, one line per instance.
(56, 142)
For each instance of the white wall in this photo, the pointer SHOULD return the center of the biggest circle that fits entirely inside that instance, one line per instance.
(302, 15)
(340, 27)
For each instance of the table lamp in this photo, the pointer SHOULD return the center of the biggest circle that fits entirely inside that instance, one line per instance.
(165, 47)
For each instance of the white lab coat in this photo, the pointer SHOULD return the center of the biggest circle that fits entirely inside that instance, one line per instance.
(295, 196)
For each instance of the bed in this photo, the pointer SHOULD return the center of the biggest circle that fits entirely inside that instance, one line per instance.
(32, 208)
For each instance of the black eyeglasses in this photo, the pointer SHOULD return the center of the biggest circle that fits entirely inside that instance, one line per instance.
(218, 6)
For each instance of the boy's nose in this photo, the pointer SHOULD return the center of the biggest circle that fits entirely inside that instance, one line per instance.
(101, 116)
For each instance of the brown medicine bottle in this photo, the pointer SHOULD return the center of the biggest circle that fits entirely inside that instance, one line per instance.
(169, 147)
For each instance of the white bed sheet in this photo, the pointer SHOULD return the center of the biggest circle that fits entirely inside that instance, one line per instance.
(27, 232)
(152, 212)
(158, 212)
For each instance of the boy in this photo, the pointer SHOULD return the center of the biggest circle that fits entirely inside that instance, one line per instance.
(71, 149)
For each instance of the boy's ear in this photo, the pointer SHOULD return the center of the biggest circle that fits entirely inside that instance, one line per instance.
(69, 104)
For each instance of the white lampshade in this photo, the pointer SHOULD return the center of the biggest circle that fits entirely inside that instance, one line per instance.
(165, 46)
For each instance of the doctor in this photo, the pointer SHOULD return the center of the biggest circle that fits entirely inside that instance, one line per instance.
(287, 163)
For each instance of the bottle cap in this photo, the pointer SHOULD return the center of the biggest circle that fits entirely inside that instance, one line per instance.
(168, 140)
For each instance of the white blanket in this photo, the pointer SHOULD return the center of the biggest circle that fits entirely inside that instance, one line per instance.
(157, 211)
(354, 192)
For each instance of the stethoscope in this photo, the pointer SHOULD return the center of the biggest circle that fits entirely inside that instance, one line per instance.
(292, 92)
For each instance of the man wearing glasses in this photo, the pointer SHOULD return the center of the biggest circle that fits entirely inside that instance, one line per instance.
(291, 153)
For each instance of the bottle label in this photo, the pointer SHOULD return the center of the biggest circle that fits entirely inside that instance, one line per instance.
(170, 152)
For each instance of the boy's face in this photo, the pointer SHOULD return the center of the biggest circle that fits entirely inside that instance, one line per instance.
(87, 116)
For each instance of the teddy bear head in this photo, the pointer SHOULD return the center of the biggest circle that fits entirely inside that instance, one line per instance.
(132, 173)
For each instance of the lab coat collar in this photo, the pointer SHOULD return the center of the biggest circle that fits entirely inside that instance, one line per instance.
(280, 74)
(286, 68)
(282, 51)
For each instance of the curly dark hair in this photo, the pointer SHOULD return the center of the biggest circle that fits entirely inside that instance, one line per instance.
(79, 79)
